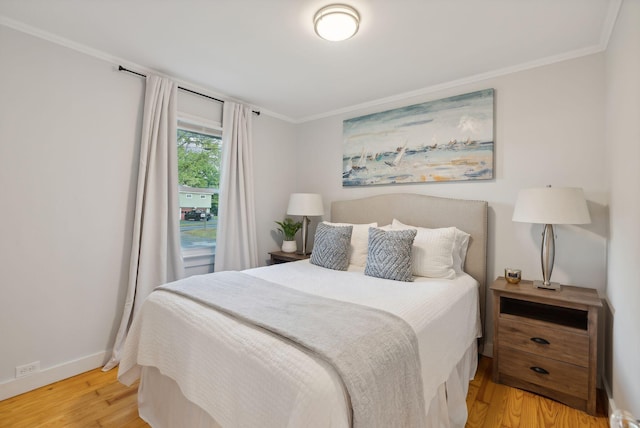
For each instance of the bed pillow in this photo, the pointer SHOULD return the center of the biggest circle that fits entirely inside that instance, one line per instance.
(460, 248)
(389, 254)
(432, 252)
(331, 246)
(359, 239)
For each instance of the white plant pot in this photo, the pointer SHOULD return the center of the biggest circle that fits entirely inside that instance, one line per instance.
(289, 246)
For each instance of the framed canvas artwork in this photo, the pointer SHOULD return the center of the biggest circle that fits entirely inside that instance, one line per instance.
(450, 139)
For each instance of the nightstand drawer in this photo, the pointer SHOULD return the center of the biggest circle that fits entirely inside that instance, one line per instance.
(548, 342)
(545, 372)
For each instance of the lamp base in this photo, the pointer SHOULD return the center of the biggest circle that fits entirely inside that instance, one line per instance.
(554, 286)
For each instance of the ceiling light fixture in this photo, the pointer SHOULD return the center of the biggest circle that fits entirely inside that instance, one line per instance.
(336, 22)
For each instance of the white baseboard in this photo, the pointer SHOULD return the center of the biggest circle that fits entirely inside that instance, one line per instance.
(612, 404)
(487, 349)
(47, 376)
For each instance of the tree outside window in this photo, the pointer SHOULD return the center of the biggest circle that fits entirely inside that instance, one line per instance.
(198, 173)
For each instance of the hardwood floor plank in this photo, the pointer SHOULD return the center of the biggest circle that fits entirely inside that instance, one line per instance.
(97, 399)
(497, 406)
(513, 408)
(91, 399)
(492, 395)
(472, 394)
(477, 414)
(548, 414)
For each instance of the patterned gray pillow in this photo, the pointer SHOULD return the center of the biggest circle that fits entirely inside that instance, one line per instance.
(331, 246)
(389, 254)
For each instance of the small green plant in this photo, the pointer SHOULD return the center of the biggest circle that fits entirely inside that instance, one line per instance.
(289, 228)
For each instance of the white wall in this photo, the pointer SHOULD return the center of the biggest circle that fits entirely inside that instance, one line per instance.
(69, 142)
(549, 130)
(623, 143)
(274, 159)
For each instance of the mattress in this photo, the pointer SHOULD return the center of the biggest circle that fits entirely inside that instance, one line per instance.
(242, 377)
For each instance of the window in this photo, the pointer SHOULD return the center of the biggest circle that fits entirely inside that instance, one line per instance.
(199, 152)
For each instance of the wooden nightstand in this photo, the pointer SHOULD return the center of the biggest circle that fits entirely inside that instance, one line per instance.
(281, 257)
(546, 341)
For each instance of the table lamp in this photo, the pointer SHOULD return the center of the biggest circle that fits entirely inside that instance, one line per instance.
(305, 204)
(549, 206)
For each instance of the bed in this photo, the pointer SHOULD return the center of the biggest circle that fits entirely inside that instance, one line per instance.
(202, 368)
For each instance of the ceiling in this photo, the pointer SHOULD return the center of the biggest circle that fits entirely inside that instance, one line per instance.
(265, 52)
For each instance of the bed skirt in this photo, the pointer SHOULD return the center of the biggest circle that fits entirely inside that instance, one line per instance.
(161, 403)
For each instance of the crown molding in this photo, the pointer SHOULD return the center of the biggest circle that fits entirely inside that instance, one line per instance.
(607, 29)
(87, 50)
(460, 82)
(609, 22)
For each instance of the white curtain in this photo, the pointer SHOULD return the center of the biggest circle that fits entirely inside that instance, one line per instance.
(155, 250)
(236, 243)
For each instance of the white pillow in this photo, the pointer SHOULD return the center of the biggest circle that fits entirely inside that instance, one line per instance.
(432, 251)
(359, 242)
(460, 247)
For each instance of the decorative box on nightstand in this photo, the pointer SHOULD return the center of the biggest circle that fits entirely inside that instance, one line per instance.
(546, 341)
(282, 257)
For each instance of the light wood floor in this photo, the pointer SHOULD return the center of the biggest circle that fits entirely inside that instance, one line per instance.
(91, 399)
(96, 399)
(493, 405)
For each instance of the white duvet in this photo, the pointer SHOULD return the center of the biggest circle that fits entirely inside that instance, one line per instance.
(243, 377)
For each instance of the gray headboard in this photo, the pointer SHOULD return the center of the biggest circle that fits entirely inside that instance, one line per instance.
(426, 211)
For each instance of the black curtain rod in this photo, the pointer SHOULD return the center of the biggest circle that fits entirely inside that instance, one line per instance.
(121, 68)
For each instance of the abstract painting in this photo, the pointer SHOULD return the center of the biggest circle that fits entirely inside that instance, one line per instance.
(450, 139)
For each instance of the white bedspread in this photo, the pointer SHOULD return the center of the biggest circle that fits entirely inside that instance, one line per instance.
(245, 378)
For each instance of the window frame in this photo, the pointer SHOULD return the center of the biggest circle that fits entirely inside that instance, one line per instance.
(195, 257)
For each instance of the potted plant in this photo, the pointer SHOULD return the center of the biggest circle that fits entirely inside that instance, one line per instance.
(289, 228)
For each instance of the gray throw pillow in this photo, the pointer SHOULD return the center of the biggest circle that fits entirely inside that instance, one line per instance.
(331, 246)
(389, 255)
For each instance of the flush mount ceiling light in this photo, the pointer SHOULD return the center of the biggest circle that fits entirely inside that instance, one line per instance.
(336, 22)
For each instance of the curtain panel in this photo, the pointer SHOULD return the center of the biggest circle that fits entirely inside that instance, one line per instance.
(236, 242)
(156, 256)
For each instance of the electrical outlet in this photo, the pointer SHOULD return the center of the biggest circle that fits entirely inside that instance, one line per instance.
(27, 369)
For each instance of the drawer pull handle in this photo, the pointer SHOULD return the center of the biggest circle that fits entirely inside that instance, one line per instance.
(540, 341)
(539, 370)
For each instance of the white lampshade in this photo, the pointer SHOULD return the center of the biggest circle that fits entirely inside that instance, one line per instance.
(552, 205)
(336, 22)
(308, 204)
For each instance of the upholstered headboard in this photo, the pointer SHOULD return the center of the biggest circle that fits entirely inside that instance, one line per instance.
(426, 211)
